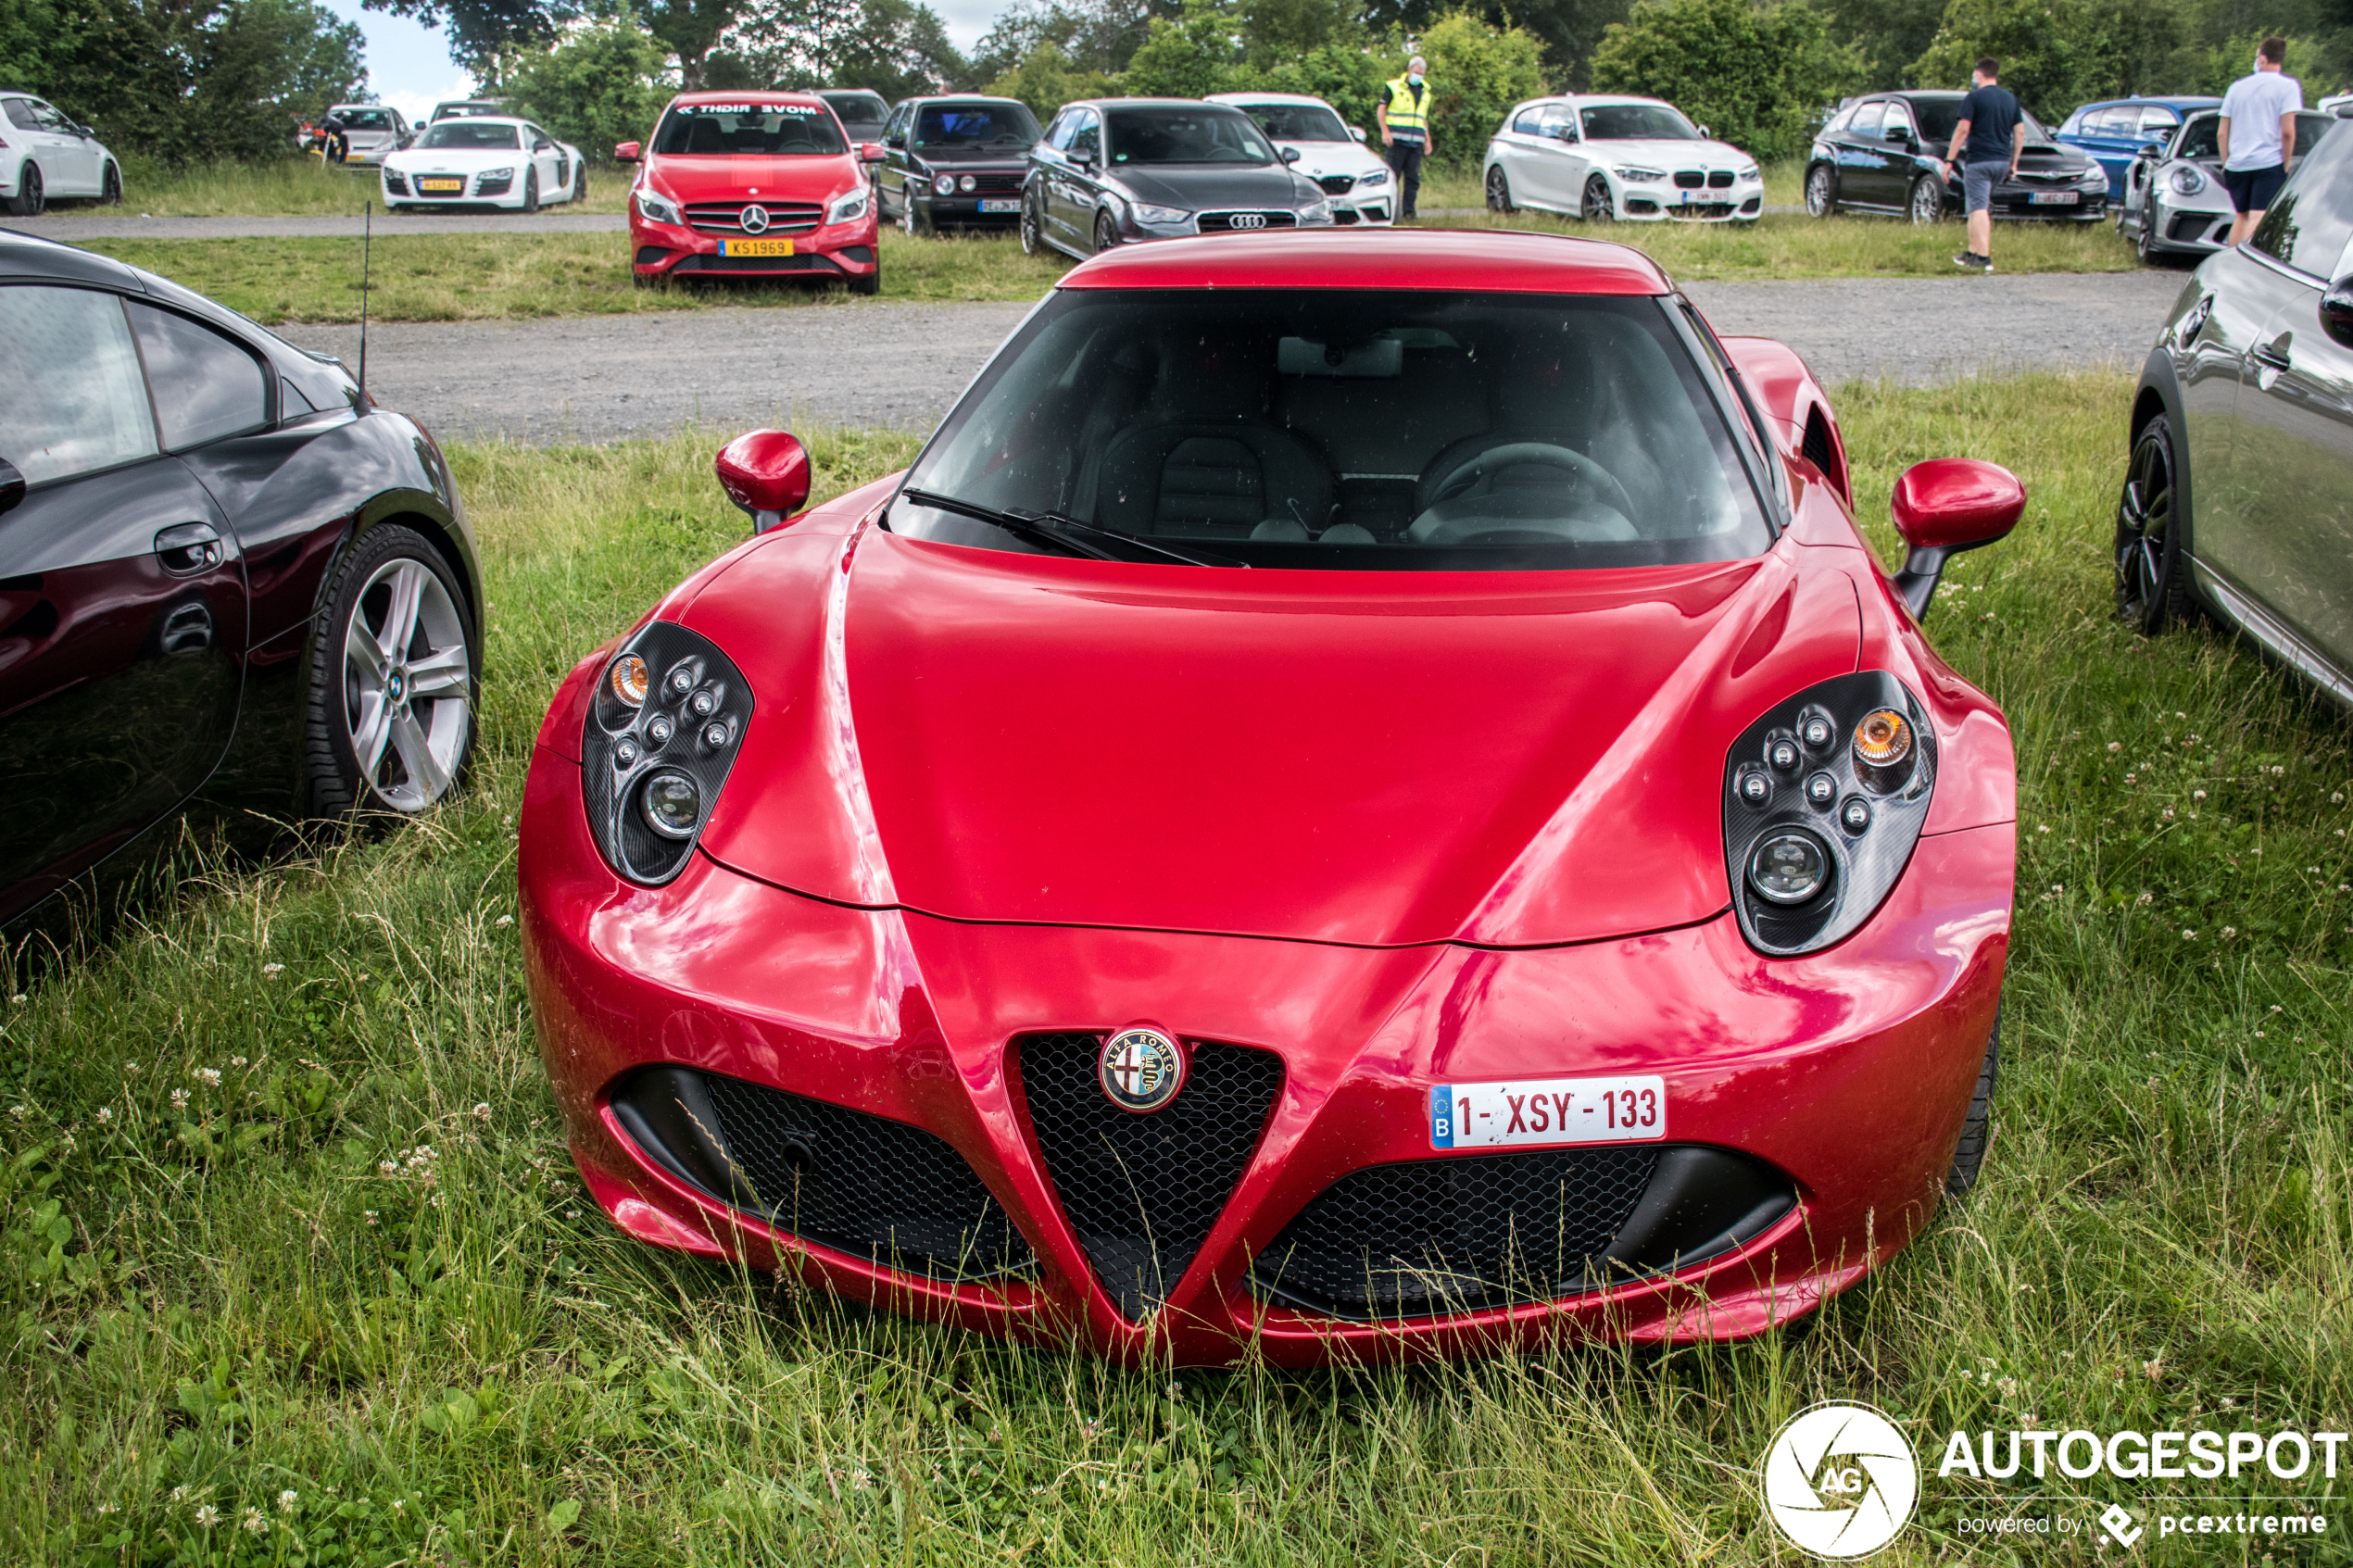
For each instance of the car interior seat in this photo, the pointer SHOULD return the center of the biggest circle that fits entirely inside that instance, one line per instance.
(1202, 458)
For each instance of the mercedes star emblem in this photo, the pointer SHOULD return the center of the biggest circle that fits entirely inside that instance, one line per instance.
(755, 218)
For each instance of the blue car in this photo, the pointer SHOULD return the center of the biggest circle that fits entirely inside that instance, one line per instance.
(2115, 131)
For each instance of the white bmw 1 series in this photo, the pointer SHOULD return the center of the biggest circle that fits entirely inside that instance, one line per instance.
(483, 162)
(1354, 178)
(1607, 156)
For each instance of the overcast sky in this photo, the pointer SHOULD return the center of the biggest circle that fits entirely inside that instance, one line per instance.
(410, 68)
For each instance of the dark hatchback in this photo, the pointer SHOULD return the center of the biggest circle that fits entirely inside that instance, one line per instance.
(1880, 154)
(228, 582)
(2238, 493)
(955, 162)
(1113, 170)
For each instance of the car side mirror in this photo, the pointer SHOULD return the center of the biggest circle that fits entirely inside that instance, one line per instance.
(11, 485)
(1897, 133)
(898, 141)
(1356, 132)
(541, 146)
(1705, 135)
(2337, 310)
(766, 473)
(2149, 149)
(870, 151)
(627, 152)
(1946, 506)
(1291, 155)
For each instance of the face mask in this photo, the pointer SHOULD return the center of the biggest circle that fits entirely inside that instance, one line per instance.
(1414, 77)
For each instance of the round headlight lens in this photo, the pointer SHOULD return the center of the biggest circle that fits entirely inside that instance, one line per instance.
(944, 187)
(966, 183)
(631, 680)
(1883, 739)
(2189, 182)
(1788, 867)
(671, 804)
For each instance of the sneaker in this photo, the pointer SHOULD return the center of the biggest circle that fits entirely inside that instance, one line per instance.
(1969, 260)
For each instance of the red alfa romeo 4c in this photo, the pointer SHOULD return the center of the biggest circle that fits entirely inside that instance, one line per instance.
(1363, 795)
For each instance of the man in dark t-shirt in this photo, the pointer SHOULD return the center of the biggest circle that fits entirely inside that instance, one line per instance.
(1986, 143)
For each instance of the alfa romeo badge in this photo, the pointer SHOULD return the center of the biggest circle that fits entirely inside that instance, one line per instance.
(1140, 1069)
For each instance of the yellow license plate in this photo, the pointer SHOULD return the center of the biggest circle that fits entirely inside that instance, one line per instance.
(441, 184)
(755, 247)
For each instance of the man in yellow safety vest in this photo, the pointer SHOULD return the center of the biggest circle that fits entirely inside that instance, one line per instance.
(1404, 129)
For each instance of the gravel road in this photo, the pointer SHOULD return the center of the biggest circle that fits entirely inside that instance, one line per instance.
(843, 362)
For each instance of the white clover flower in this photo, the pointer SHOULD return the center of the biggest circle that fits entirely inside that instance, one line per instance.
(236, 1061)
(481, 1112)
(272, 970)
(372, 1218)
(179, 1100)
(18, 998)
(2144, 900)
(2198, 795)
(286, 1500)
(208, 1516)
(131, 1069)
(2189, 936)
(106, 1113)
(2009, 1385)
(179, 1494)
(386, 1168)
(2229, 932)
(208, 1076)
(2116, 746)
(504, 921)
(254, 1522)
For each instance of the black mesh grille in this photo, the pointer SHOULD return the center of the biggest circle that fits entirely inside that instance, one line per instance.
(727, 218)
(1336, 184)
(756, 264)
(1690, 178)
(861, 1183)
(1720, 178)
(1433, 1237)
(1142, 1191)
(997, 185)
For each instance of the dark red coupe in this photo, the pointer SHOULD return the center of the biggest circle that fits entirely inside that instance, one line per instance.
(1364, 795)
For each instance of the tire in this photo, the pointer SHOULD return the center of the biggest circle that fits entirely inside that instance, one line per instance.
(1821, 191)
(579, 181)
(2152, 565)
(367, 748)
(1597, 208)
(1106, 233)
(2144, 242)
(1033, 228)
(111, 187)
(530, 190)
(1969, 1155)
(911, 218)
(1499, 191)
(1926, 202)
(30, 198)
(869, 285)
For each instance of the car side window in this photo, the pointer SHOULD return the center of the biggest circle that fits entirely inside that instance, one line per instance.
(1558, 123)
(1865, 123)
(71, 398)
(1524, 122)
(20, 115)
(1058, 134)
(2311, 220)
(1837, 123)
(1086, 140)
(2155, 121)
(1899, 118)
(205, 386)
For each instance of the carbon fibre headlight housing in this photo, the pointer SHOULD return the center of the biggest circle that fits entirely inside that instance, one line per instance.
(1824, 799)
(660, 737)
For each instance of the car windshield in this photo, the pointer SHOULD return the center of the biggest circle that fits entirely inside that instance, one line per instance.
(1349, 430)
(1297, 122)
(1186, 135)
(863, 108)
(469, 134)
(2201, 138)
(750, 130)
(974, 125)
(1637, 122)
(365, 119)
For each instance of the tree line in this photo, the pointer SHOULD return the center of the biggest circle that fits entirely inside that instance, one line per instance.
(196, 81)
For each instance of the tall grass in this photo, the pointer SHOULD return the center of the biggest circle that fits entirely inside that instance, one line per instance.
(355, 1268)
(294, 187)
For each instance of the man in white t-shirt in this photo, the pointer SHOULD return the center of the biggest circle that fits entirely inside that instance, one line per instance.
(2258, 135)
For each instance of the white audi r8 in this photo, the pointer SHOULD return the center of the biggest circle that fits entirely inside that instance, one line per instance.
(1354, 178)
(1600, 157)
(483, 162)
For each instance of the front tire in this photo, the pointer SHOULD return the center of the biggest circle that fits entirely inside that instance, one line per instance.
(1499, 191)
(530, 190)
(871, 284)
(1926, 204)
(579, 181)
(2151, 565)
(29, 201)
(1033, 229)
(394, 680)
(1106, 233)
(1597, 206)
(111, 187)
(1969, 1155)
(1821, 191)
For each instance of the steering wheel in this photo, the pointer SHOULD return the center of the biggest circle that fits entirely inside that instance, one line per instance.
(1468, 474)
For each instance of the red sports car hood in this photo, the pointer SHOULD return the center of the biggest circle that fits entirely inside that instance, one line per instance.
(1506, 758)
(803, 179)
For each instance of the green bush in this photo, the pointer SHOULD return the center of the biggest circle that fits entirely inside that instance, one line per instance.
(1190, 56)
(1046, 80)
(600, 86)
(1476, 73)
(2057, 54)
(1753, 75)
(1348, 79)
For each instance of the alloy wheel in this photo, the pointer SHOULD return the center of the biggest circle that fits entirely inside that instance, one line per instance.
(112, 194)
(1928, 200)
(1499, 191)
(2145, 243)
(579, 179)
(530, 190)
(29, 200)
(408, 682)
(1598, 208)
(2147, 547)
(1106, 233)
(1821, 191)
(1032, 240)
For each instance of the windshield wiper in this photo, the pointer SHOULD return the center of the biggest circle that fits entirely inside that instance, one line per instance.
(1065, 534)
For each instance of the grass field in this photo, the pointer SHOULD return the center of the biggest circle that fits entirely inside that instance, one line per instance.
(294, 1268)
(296, 188)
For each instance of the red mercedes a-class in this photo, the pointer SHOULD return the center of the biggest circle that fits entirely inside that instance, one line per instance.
(1364, 795)
(752, 185)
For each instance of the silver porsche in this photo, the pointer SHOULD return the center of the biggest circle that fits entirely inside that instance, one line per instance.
(2174, 202)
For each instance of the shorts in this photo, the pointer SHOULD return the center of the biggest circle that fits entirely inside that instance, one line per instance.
(1977, 181)
(2252, 189)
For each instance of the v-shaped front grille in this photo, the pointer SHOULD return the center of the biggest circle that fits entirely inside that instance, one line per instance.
(1142, 1191)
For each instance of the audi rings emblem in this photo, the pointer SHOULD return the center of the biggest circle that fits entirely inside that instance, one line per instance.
(1250, 220)
(755, 218)
(1140, 1069)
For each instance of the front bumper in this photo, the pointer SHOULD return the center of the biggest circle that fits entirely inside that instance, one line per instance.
(2183, 225)
(1660, 201)
(2013, 201)
(1850, 1072)
(961, 211)
(831, 251)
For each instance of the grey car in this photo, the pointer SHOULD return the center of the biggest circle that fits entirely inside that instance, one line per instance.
(1112, 171)
(2238, 496)
(2173, 200)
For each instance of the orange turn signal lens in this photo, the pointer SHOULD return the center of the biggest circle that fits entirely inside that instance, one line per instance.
(1883, 739)
(631, 680)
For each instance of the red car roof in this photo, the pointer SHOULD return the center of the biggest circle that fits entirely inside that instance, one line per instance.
(1486, 260)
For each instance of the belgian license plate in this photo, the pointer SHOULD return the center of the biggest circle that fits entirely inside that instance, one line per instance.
(2052, 198)
(1001, 204)
(755, 247)
(1547, 1110)
(438, 187)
